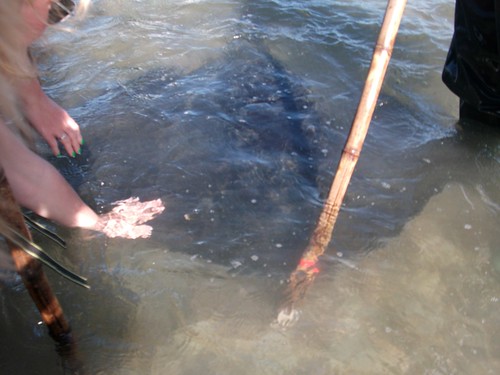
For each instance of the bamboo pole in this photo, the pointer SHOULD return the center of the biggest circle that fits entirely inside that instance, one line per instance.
(306, 271)
(33, 275)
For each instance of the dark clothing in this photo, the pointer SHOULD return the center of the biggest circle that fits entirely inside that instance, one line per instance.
(472, 68)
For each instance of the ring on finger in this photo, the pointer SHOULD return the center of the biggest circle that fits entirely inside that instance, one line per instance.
(63, 137)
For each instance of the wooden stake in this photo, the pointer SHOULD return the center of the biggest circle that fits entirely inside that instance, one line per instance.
(33, 275)
(307, 270)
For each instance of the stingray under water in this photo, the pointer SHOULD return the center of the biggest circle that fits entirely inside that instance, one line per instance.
(230, 148)
(235, 150)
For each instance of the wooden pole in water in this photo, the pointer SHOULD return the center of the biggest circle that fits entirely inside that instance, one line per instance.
(32, 273)
(306, 270)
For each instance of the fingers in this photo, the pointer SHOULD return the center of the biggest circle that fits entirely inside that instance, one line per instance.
(136, 212)
(140, 231)
(72, 142)
(150, 210)
(127, 218)
(56, 126)
(54, 146)
(60, 129)
(70, 138)
(116, 227)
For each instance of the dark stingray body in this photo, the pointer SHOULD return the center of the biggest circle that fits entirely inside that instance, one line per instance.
(229, 147)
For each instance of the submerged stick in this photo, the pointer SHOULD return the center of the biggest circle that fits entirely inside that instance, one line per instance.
(306, 271)
(34, 278)
(32, 249)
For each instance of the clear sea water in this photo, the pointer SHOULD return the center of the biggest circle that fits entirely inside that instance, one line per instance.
(235, 113)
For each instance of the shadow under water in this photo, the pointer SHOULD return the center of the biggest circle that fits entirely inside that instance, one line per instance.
(230, 148)
(242, 158)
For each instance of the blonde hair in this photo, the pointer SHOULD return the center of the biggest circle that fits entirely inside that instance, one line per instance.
(14, 64)
(13, 61)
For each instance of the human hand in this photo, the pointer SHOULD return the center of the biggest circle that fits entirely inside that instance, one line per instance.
(127, 218)
(52, 122)
(55, 125)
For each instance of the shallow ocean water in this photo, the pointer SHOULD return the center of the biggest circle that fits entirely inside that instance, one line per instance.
(234, 113)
